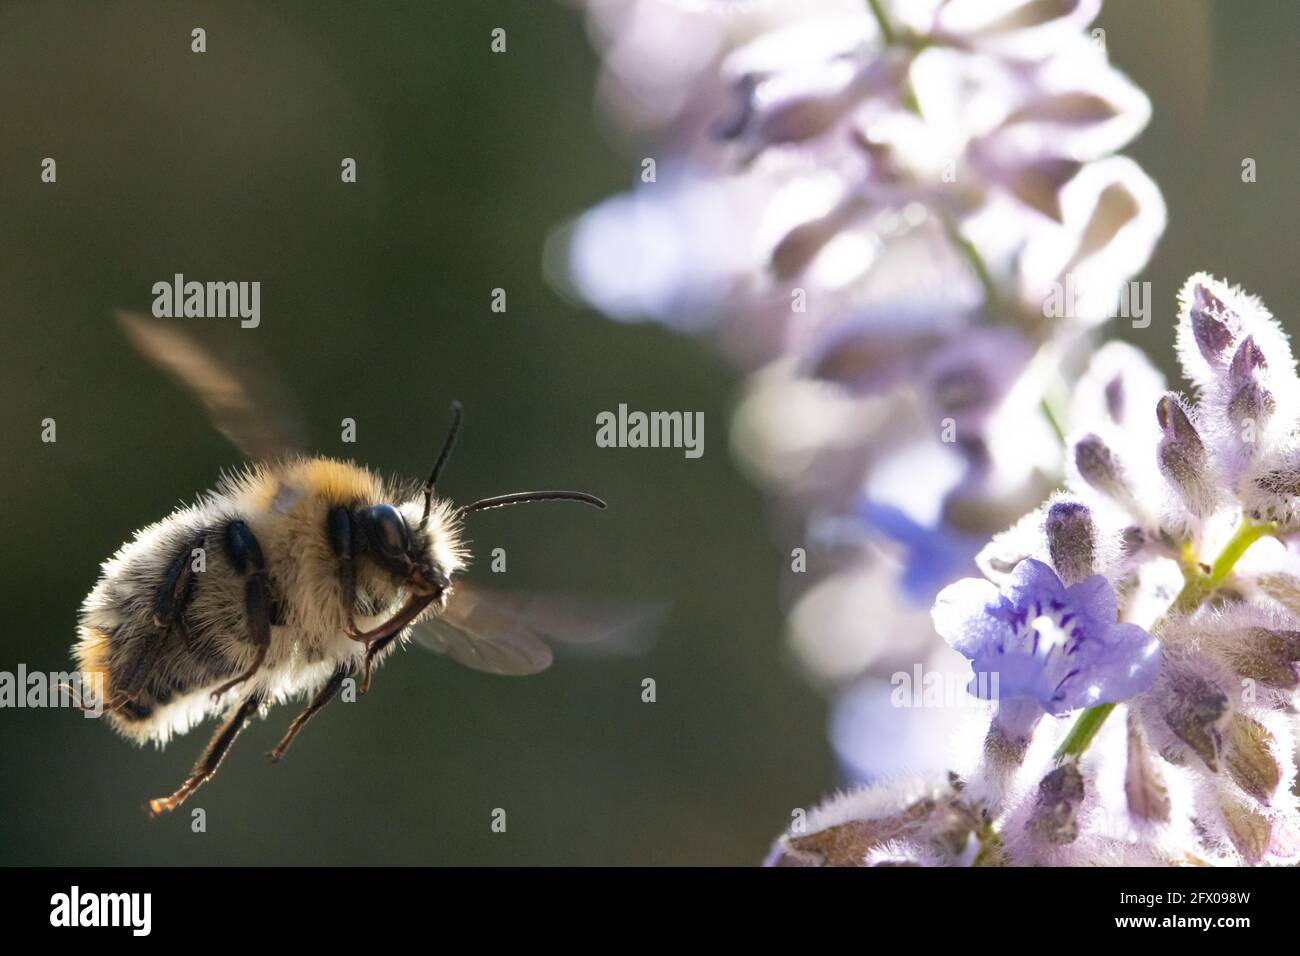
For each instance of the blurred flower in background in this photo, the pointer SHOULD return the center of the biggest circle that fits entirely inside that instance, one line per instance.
(902, 220)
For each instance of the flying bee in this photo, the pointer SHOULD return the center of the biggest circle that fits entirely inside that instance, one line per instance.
(295, 574)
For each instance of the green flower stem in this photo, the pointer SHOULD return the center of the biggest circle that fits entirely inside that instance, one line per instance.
(975, 261)
(1246, 534)
(1197, 586)
(882, 21)
(1084, 729)
(1053, 416)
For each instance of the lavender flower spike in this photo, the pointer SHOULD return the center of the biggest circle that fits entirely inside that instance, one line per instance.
(1057, 646)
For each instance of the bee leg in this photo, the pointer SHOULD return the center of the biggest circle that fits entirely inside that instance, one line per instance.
(245, 556)
(211, 757)
(318, 701)
(338, 525)
(368, 662)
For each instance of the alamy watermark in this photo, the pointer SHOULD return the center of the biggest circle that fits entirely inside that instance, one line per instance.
(946, 689)
(51, 689)
(208, 300)
(1073, 299)
(128, 910)
(634, 429)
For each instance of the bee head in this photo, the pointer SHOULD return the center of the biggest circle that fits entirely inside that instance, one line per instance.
(410, 554)
(422, 554)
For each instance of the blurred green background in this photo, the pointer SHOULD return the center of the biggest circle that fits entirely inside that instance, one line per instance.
(375, 306)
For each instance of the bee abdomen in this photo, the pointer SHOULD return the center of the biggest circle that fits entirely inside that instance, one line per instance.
(156, 629)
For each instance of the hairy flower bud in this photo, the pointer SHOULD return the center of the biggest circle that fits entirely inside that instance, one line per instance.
(1251, 401)
(1265, 656)
(1144, 789)
(1182, 456)
(1250, 760)
(1282, 587)
(1282, 482)
(1197, 711)
(1246, 361)
(1249, 831)
(1055, 815)
(1212, 324)
(849, 843)
(1071, 540)
(844, 845)
(1099, 467)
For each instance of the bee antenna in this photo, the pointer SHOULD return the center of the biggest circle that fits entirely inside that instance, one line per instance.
(457, 415)
(523, 497)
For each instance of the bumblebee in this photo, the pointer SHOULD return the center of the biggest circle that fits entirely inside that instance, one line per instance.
(294, 575)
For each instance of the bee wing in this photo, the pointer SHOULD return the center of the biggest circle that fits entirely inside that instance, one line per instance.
(506, 632)
(244, 406)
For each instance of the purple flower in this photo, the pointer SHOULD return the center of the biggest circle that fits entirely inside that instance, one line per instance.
(1058, 646)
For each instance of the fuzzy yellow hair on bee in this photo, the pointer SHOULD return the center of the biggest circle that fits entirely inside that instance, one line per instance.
(294, 575)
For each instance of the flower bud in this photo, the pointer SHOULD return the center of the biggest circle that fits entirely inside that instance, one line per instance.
(1249, 758)
(1098, 466)
(1212, 324)
(1250, 400)
(1071, 540)
(1055, 815)
(1249, 831)
(1282, 587)
(1246, 361)
(1282, 482)
(1197, 712)
(1144, 790)
(1182, 456)
(1265, 656)
(848, 844)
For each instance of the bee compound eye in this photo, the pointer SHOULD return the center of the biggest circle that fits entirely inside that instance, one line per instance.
(389, 528)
